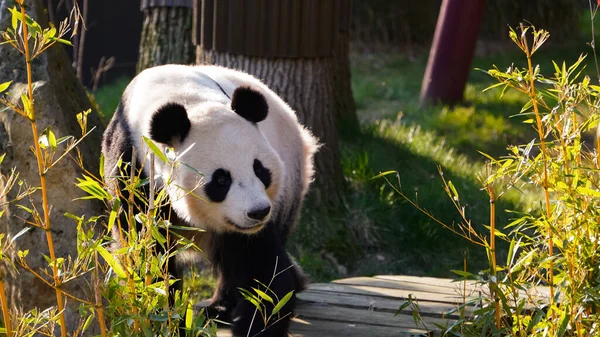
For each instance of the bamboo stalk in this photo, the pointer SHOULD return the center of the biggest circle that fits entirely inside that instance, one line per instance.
(44, 188)
(99, 308)
(5, 309)
(492, 195)
(545, 186)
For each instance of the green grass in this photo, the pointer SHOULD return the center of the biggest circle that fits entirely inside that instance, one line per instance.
(376, 231)
(108, 97)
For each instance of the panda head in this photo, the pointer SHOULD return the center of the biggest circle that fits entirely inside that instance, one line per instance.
(241, 172)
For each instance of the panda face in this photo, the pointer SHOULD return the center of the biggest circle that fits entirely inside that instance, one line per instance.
(241, 177)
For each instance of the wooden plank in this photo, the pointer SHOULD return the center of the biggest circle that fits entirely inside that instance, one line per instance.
(312, 311)
(323, 328)
(433, 281)
(472, 286)
(318, 328)
(400, 294)
(455, 289)
(430, 309)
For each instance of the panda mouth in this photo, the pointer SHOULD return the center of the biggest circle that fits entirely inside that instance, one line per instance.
(254, 228)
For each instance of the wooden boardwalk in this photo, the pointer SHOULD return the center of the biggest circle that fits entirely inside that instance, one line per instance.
(365, 307)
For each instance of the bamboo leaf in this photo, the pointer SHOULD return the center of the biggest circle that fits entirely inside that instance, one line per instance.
(463, 274)
(4, 86)
(87, 323)
(383, 174)
(113, 213)
(27, 106)
(263, 295)
(155, 149)
(112, 262)
(15, 17)
(189, 314)
(282, 302)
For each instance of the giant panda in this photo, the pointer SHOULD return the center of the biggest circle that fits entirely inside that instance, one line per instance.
(256, 164)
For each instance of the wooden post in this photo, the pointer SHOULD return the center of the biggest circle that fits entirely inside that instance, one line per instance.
(452, 51)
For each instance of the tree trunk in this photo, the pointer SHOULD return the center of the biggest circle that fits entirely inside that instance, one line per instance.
(311, 87)
(345, 106)
(166, 37)
(451, 52)
(58, 98)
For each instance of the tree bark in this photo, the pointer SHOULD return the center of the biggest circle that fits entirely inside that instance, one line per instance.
(166, 37)
(311, 87)
(345, 106)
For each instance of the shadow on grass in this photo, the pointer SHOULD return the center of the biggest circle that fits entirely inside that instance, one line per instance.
(377, 231)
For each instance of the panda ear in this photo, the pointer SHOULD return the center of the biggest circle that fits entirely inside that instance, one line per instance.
(169, 123)
(250, 104)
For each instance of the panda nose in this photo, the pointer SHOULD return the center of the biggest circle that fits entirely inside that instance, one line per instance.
(259, 214)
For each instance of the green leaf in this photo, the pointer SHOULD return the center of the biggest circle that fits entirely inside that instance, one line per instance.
(189, 314)
(263, 295)
(112, 262)
(4, 86)
(464, 274)
(383, 174)
(87, 323)
(402, 307)
(93, 188)
(252, 300)
(27, 106)
(101, 167)
(49, 33)
(63, 41)
(527, 106)
(49, 138)
(588, 191)
(113, 213)
(562, 328)
(159, 318)
(453, 189)
(2, 158)
(155, 149)
(282, 302)
(15, 17)
(33, 24)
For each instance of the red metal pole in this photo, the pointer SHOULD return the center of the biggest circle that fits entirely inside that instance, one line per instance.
(452, 51)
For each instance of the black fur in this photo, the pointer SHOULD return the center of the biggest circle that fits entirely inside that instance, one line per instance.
(169, 122)
(250, 104)
(240, 260)
(218, 186)
(263, 173)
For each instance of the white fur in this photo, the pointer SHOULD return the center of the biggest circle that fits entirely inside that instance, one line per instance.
(219, 138)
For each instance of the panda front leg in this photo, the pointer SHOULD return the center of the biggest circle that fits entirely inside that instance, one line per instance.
(241, 260)
(222, 302)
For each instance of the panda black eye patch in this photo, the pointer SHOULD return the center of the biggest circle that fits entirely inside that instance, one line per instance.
(218, 186)
(263, 173)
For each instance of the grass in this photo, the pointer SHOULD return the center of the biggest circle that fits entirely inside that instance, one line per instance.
(108, 96)
(376, 232)
(379, 233)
